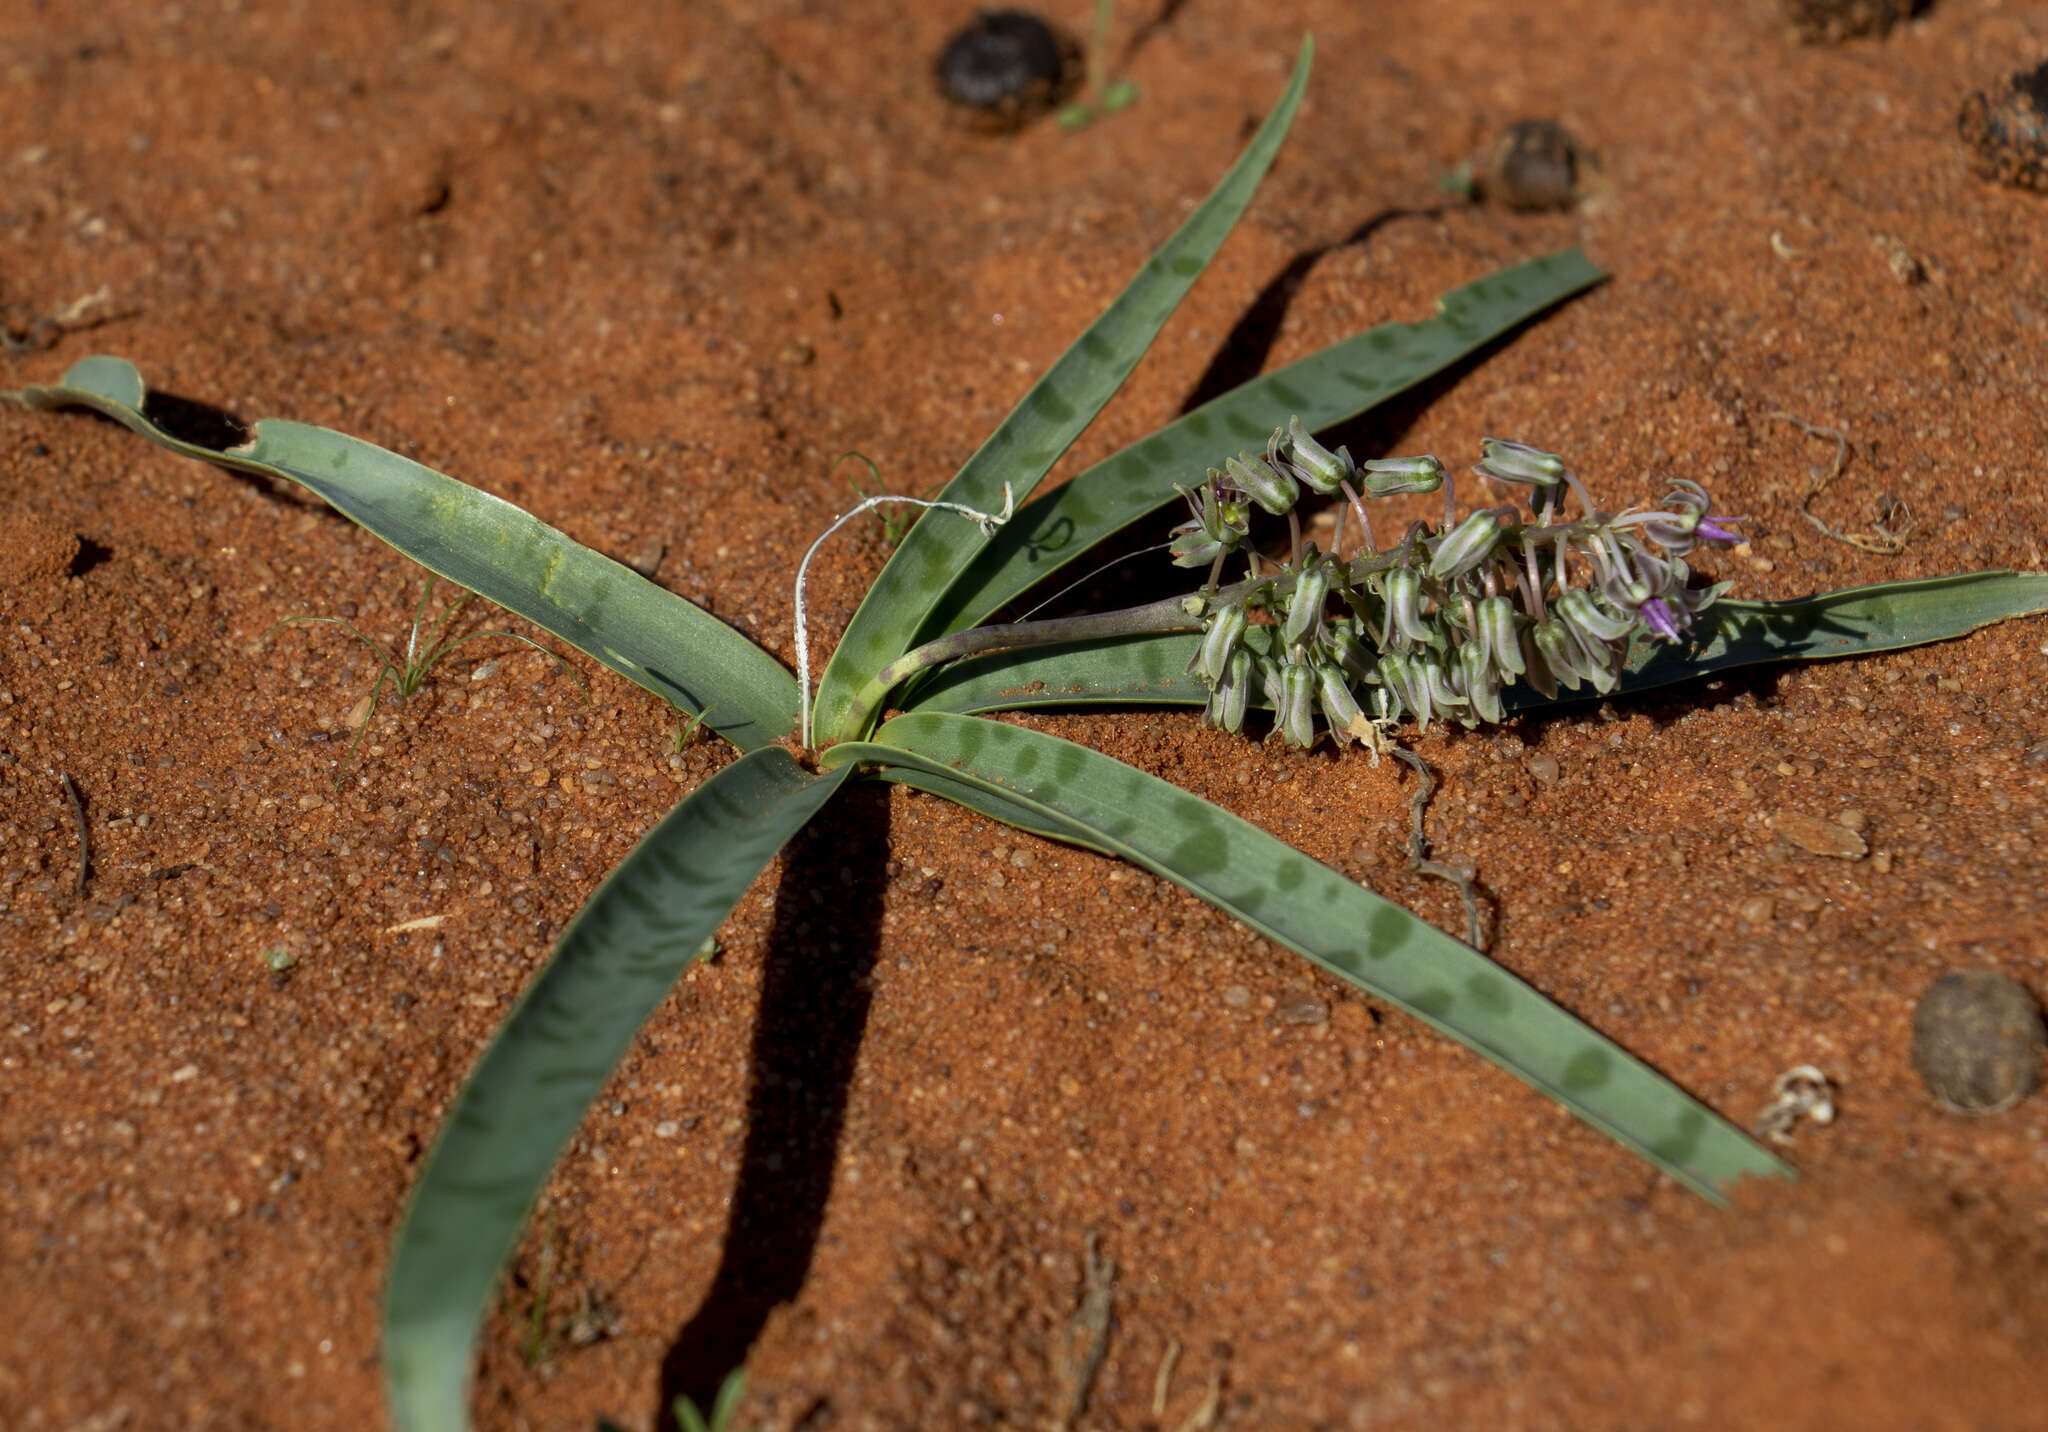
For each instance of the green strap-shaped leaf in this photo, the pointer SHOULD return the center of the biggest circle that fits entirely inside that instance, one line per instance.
(1030, 440)
(1340, 925)
(1855, 621)
(618, 959)
(647, 634)
(993, 804)
(1325, 388)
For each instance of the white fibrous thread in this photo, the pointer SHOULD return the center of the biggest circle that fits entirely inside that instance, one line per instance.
(988, 522)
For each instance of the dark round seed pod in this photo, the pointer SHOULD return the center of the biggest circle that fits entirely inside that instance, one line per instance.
(1006, 68)
(1978, 1042)
(2007, 130)
(1829, 22)
(1536, 164)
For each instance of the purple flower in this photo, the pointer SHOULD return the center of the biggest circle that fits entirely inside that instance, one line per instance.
(1658, 618)
(1687, 522)
(1714, 529)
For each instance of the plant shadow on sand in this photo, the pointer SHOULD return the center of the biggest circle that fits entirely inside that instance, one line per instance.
(815, 994)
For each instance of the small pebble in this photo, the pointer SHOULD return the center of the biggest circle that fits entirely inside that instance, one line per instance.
(2006, 128)
(1542, 769)
(1536, 164)
(645, 557)
(1300, 1006)
(1820, 837)
(1978, 1041)
(1006, 68)
(1237, 997)
(1757, 910)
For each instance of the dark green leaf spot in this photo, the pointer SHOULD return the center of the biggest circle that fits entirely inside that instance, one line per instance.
(1435, 1002)
(1589, 1069)
(1490, 994)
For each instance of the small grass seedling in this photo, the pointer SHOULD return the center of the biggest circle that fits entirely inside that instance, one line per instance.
(686, 731)
(724, 1407)
(408, 676)
(1104, 96)
(895, 526)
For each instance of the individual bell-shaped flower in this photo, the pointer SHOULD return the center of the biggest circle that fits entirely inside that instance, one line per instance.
(1271, 489)
(1536, 670)
(1687, 520)
(1401, 674)
(1467, 545)
(1294, 717)
(1340, 707)
(1220, 637)
(1343, 643)
(1664, 621)
(1232, 694)
(1589, 620)
(1481, 682)
(1499, 634)
(1401, 590)
(1305, 605)
(1392, 476)
(1213, 528)
(1604, 675)
(1444, 692)
(1324, 471)
(1563, 657)
(1507, 461)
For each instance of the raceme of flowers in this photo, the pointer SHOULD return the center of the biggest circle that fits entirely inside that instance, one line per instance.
(1437, 625)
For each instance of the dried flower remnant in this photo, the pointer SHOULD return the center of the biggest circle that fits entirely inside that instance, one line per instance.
(2006, 128)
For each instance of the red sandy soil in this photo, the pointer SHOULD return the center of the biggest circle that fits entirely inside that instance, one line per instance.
(648, 269)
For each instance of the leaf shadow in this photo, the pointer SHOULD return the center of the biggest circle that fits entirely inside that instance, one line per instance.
(191, 421)
(217, 429)
(815, 994)
(1243, 353)
(1241, 357)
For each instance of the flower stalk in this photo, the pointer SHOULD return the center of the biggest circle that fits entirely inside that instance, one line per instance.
(1436, 626)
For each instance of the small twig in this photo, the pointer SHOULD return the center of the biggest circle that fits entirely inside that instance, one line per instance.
(1162, 1381)
(59, 322)
(1887, 543)
(1090, 1322)
(1418, 849)
(1204, 1415)
(84, 840)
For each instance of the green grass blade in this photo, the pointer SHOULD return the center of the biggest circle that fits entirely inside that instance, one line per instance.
(1855, 621)
(647, 634)
(1345, 928)
(1029, 441)
(1323, 389)
(618, 959)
